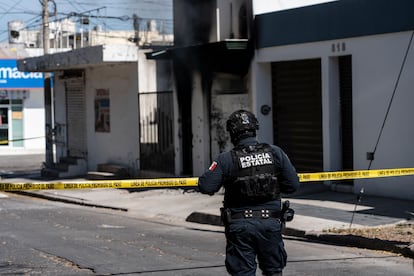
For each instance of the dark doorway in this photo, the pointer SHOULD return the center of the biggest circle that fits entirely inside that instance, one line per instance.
(297, 112)
(345, 92)
(156, 132)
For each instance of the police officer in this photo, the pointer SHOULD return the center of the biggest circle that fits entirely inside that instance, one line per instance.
(253, 175)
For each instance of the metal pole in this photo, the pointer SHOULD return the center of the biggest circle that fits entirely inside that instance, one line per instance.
(47, 88)
(45, 18)
(359, 198)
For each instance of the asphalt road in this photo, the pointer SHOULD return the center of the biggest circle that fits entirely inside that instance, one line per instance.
(40, 237)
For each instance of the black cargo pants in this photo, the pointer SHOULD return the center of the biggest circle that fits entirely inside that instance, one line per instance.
(254, 237)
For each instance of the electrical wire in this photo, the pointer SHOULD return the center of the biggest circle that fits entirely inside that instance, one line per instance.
(359, 197)
(159, 10)
(12, 7)
(14, 10)
(392, 97)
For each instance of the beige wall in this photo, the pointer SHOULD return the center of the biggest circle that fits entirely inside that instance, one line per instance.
(121, 144)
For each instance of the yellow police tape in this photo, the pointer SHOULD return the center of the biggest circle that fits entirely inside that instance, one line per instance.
(345, 175)
(191, 181)
(118, 184)
(5, 142)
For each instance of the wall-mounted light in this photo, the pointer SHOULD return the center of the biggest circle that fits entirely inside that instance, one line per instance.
(265, 109)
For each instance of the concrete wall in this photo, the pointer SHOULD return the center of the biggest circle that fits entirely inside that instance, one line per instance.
(60, 116)
(261, 94)
(201, 130)
(209, 21)
(227, 17)
(34, 120)
(33, 109)
(121, 144)
(210, 137)
(147, 71)
(376, 63)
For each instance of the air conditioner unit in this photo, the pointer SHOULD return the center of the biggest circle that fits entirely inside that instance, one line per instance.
(16, 32)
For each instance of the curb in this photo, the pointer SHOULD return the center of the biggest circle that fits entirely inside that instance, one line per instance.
(204, 218)
(70, 201)
(404, 249)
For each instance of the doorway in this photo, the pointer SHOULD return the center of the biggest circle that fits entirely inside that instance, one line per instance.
(297, 112)
(4, 126)
(345, 98)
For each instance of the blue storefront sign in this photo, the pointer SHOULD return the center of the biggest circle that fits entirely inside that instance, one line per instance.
(11, 77)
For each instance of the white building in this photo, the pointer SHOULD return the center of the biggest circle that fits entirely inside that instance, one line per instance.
(22, 120)
(98, 95)
(329, 81)
(66, 35)
(339, 82)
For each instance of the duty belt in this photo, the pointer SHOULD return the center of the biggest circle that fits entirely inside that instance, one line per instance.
(264, 213)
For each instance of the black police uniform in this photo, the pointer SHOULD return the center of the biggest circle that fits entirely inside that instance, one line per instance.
(252, 227)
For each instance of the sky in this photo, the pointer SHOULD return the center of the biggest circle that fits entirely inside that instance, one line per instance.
(108, 14)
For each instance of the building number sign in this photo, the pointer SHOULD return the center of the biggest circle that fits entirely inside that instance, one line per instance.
(338, 47)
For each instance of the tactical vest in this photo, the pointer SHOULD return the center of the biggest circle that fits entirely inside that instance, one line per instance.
(254, 178)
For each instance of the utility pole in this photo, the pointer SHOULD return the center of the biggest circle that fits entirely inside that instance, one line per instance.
(47, 89)
(136, 28)
(45, 19)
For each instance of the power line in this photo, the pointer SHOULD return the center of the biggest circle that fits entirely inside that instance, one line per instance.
(392, 96)
(12, 7)
(146, 9)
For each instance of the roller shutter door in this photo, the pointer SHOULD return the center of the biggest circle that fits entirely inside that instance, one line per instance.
(297, 112)
(76, 118)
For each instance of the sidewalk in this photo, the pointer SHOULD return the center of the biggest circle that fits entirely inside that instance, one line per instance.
(314, 212)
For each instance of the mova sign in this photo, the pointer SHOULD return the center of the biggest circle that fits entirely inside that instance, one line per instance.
(11, 77)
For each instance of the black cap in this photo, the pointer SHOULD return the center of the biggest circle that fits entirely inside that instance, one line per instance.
(242, 124)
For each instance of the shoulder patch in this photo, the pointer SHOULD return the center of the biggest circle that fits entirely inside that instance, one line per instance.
(213, 166)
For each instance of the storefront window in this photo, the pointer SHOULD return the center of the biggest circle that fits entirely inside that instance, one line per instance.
(11, 117)
(17, 123)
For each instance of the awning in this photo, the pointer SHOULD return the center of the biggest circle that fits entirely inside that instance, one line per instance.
(80, 58)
